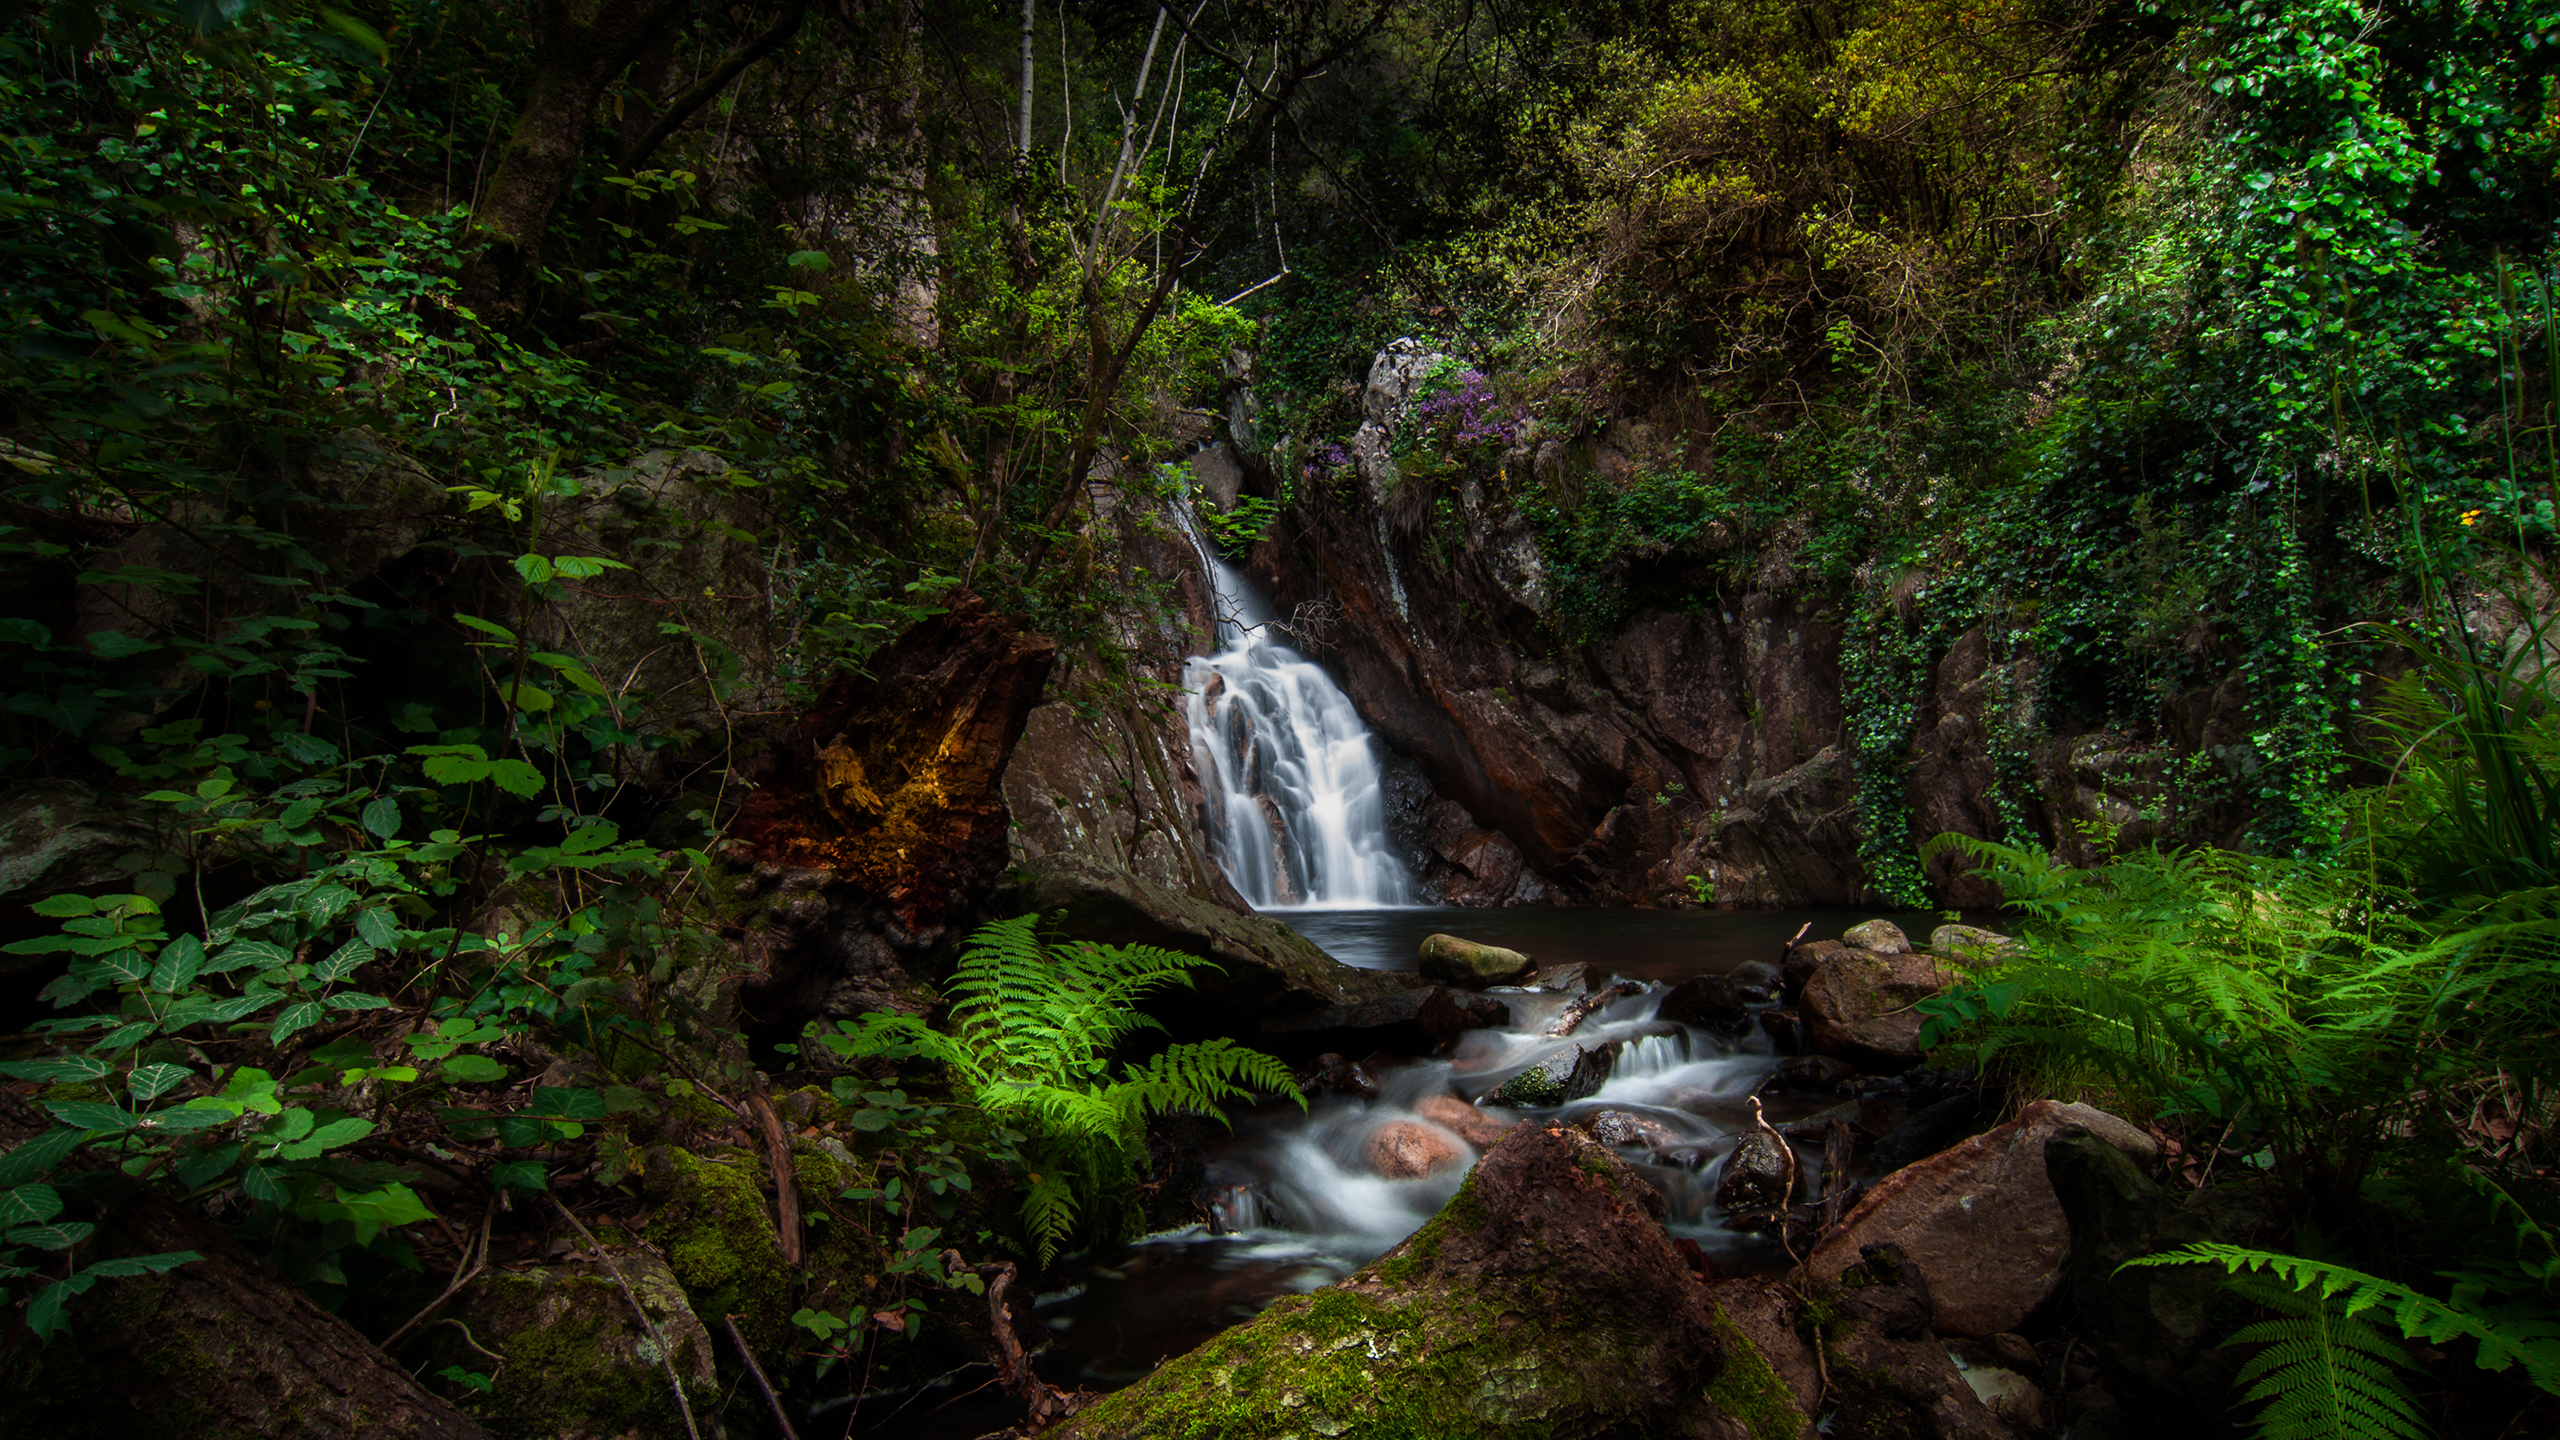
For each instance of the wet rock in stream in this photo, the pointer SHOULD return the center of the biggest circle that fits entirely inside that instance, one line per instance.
(1560, 1079)
(1711, 1002)
(1760, 1175)
(1860, 1006)
(1410, 1150)
(1477, 1127)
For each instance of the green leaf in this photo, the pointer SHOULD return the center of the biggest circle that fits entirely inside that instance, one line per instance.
(476, 623)
(64, 906)
(60, 1236)
(129, 1266)
(381, 817)
(85, 1115)
(516, 778)
(377, 928)
(178, 964)
(357, 1000)
(295, 1018)
(590, 837)
(32, 1159)
(29, 1205)
(149, 1082)
(343, 962)
(69, 1070)
(531, 699)
(566, 1104)
(534, 569)
(473, 1070)
(247, 954)
(519, 1175)
(264, 1184)
(358, 31)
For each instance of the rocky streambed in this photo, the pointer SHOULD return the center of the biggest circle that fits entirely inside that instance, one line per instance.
(1546, 1200)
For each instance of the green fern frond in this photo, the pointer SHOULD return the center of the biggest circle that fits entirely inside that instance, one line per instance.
(2324, 1371)
(1049, 1214)
(2533, 1342)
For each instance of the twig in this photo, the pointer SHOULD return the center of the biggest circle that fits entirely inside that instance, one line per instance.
(467, 1338)
(1047, 1403)
(771, 1400)
(666, 1357)
(1787, 1196)
(786, 1180)
(1794, 940)
(463, 1274)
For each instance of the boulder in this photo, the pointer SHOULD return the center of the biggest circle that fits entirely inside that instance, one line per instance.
(1480, 1128)
(1543, 1299)
(1801, 961)
(1979, 1221)
(1466, 962)
(1560, 1079)
(1759, 1175)
(1968, 945)
(1570, 978)
(1759, 981)
(1930, 1129)
(577, 1363)
(1333, 1074)
(1710, 1002)
(1810, 1075)
(1859, 1006)
(1410, 1021)
(58, 837)
(1264, 967)
(1890, 1374)
(1880, 937)
(1625, 1127)
(1410, 1150)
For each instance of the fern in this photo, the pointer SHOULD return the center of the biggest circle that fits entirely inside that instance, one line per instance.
(2325, 1372)
(2528, 1336)
(1032, 1031)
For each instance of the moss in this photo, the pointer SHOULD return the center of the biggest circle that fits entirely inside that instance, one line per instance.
(716, 1229)
(1465, 1211)
(1747, 1387)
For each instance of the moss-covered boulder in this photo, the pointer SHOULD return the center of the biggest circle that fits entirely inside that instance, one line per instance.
(1471, 962)
(569, 1358)
(1543, 1300)
(714, 1224)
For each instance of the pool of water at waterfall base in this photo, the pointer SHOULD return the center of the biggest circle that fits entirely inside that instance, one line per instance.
(1299, 1207)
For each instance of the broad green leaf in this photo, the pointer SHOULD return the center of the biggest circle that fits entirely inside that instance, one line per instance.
(381, 818)
(132, 1265)
(590, 837)
(531, 699)
(378, 928)
(343, 962)
(63, 906)
(358, 31)
(585, 567)
(61, 1236)
(29, 1205)
(183, 1119)
(264, 1185)
(33, 1159)
(535, 569)
(473, 1070)
(128, 966)
(247, 954)
(340, 1132)
(150, 1082)
(476, 623)
(69, 1070)
(519, 1175)
(516, 778)
(566, 1104)
(356, 1000)
(89, 1116)
(179, 961)
(295, 1018)
(45, 1313)
(456, 769)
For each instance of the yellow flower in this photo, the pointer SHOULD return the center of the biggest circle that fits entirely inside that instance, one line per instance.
(2472, 517)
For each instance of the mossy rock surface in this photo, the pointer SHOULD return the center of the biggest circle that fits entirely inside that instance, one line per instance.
(1543, 1300)
(578, 1364)
(714, 1223)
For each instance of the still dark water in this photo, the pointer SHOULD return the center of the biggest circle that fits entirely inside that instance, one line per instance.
(1113, 1317)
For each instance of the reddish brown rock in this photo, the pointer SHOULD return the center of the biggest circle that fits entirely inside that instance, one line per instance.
(1979, 1221)
(1410, 1150)
(1860, 1006)
(1480, 1128)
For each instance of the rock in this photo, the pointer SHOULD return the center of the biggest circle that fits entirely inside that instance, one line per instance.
(1560, 1079)
(1571, 978)
(1582, 1007)
(1264, 967)
(1410, 1021)
(1410, 1150)
(1480, 1128)
(2155, 1331)
(1928, 1130)
(2134, 1141)
(1331, 1074)
(1624, 1127)
(1859, 1006)
(1968, 945)
(1800, 963)
(1879, 937)
(1543, 1298)
(1810, 1075)
(59, 837)
(578, 1365)
(1979, 1221)
(1759, 981)
(1710, 1002)
(1758, 1175)
(1784, 1025)
(1465, 962)
(1891, 1376)
(224, 1346)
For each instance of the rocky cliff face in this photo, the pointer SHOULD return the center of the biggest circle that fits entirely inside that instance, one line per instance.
(1690, 755)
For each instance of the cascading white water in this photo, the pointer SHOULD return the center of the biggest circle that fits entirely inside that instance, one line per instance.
(1297, 804)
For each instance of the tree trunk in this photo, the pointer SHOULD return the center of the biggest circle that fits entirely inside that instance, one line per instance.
(225, 1348)
(585, 44)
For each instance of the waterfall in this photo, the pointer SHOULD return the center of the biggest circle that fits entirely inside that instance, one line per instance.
(1297, 810)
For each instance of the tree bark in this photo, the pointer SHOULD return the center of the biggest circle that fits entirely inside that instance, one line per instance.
(226, 1348)
(700, 93)
(584, 45)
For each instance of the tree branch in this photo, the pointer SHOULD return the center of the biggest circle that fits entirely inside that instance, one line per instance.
(703, 91)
